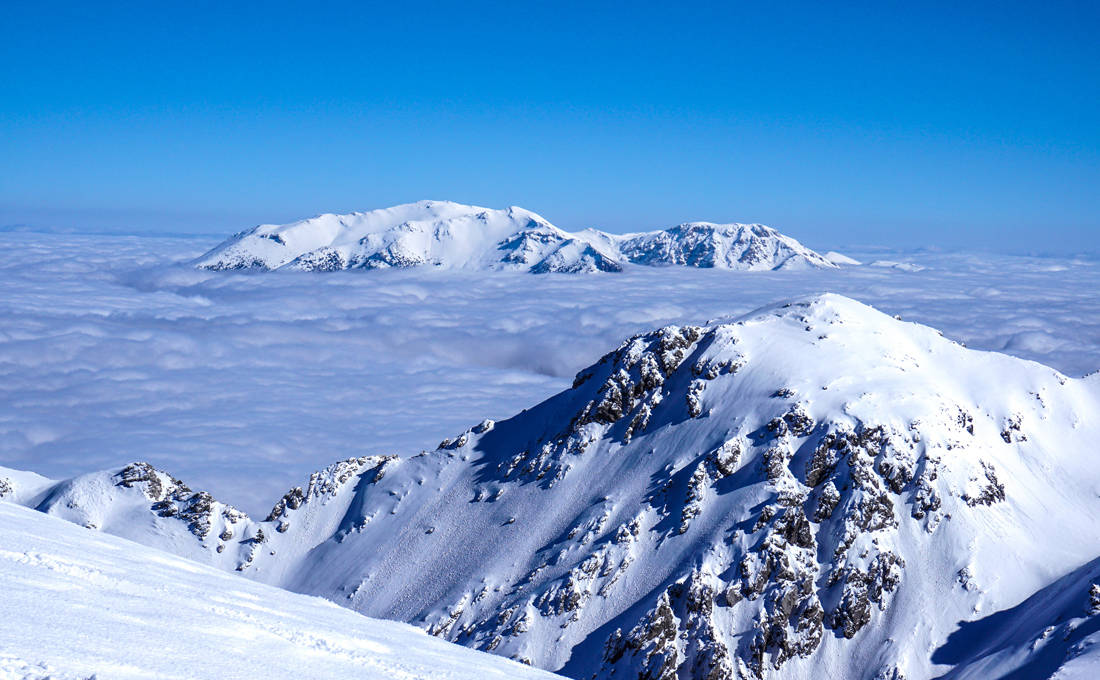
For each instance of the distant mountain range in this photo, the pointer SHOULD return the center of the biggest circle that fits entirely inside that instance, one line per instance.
(814, 489)
(455, 236)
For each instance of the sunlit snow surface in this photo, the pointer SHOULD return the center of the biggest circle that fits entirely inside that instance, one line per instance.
(79, 604)
(114, 349)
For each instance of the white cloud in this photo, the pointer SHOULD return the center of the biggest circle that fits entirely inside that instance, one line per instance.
(242, 384)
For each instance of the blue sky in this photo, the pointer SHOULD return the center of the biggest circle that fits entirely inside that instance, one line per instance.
(900, 124)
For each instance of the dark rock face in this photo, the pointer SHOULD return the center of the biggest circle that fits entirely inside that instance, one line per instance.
(291, 500)
(795, 422)
(652, 642)
(864, 588)
(147, 476)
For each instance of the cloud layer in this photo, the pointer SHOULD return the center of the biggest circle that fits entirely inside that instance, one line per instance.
(112, 349)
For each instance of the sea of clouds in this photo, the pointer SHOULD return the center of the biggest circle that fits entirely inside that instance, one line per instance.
(113, 349)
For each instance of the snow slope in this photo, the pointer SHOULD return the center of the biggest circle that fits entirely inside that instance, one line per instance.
(841, 259)
(1055, 633)
(456, 236)
(77, 604)
(812, 490)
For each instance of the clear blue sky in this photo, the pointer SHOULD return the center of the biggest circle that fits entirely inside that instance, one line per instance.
(955, 124)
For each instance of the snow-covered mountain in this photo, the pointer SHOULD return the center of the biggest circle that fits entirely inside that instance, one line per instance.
(78, 605)
(813, 490)
(451, 235)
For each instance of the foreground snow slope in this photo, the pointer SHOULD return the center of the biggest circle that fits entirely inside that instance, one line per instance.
(456, 236)
(812, 490)
(77, 604)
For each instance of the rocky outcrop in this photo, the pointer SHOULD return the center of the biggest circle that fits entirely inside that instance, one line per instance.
(171, 498)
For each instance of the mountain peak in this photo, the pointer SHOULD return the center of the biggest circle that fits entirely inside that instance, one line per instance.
(775, 492)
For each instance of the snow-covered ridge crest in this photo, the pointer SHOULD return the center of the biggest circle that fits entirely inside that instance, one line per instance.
(455, 236)
(814, 489)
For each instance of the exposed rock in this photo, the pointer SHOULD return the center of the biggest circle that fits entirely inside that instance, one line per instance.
(827, 501)
(327, 482)
(864, 588)
(991, 491)
(694, 398)
(173, 499)
(1012, 431)
(652, 643)
(727, 457)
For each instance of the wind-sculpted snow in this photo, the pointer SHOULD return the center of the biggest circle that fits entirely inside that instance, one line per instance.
(455, 236)
(78, 605)
(1052, 634)
(815, 489)
(114, 349)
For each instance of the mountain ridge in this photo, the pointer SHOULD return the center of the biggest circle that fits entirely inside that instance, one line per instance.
(452, 235)
(782, 494)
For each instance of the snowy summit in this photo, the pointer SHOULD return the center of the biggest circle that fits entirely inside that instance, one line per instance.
(455, 236)
(815, 489)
